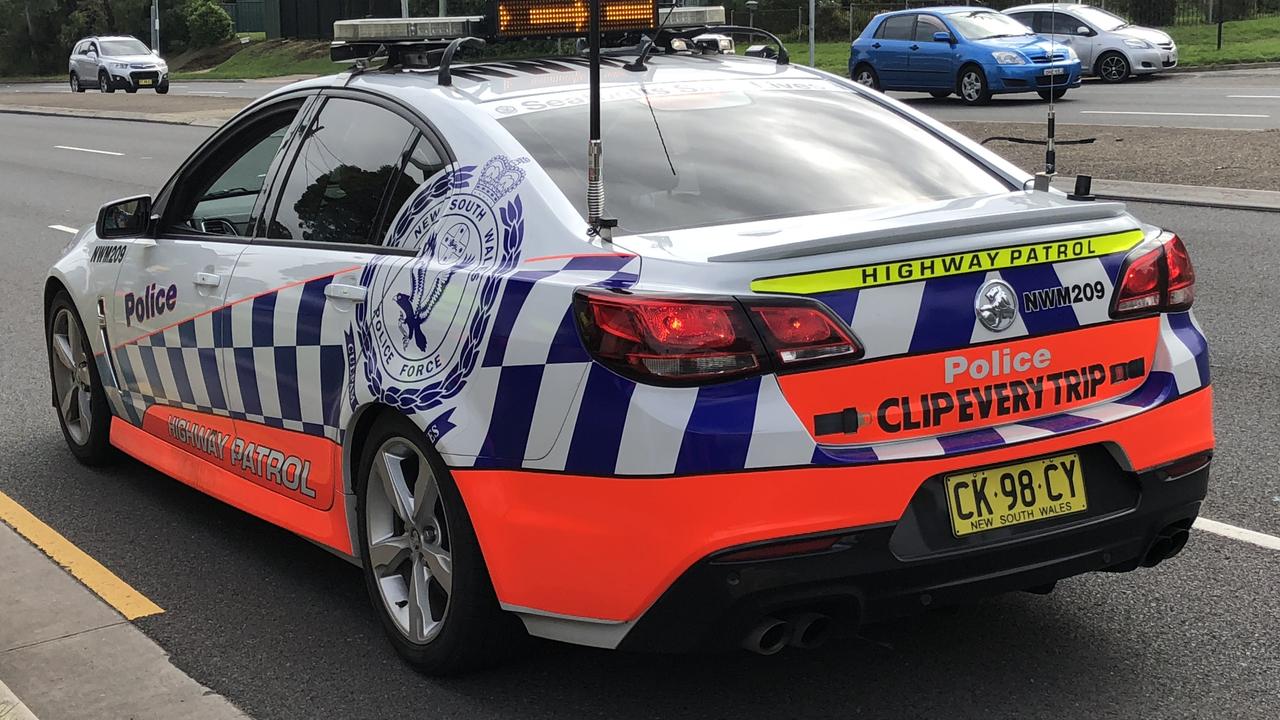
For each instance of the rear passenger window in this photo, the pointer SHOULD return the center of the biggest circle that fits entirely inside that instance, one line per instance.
(1028, 19)
(898, 27)
(351, 152)
(423, 163)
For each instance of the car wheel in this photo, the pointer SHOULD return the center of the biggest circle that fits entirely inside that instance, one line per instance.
(941, 94)
(131, 90)
(104, 82)
(162, 89)
(866, 75)
(75, 83)
(971, 86)
(1055, 93)
(79, 397)
(1113, 67)
(422, 563)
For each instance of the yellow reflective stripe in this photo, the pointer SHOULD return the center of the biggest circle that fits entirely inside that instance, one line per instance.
(927, 268)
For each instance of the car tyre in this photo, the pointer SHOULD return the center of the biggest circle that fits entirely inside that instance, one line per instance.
(162, 89)
(940, 94)
(104, 82)
(131, 90)
(1051, 93)
(423, 567)
(866, 76)
(75, 83)
(1113, 67)
(971, 86)
(79, 399)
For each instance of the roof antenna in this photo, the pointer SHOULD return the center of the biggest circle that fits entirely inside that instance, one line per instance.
(1050, 152)
(599, 226)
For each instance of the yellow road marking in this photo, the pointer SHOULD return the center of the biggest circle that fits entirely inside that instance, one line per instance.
(927, 268)
(116, 592)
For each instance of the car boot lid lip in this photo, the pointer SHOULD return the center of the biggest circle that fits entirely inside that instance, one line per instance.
(803, 236)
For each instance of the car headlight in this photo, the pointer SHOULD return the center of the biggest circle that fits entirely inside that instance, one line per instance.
(1071, 53)
(120, 66)
(1008, 58)
(1136, 43)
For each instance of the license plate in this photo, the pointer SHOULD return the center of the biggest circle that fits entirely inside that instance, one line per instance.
(1055, 71)
(144, 82)
(982, 500)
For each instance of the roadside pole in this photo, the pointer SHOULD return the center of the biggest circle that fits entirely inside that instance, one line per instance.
(812, 9)
(155, 26)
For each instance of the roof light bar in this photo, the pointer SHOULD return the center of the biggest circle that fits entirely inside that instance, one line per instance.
(402, 29)
(692, 16)
(550, 18)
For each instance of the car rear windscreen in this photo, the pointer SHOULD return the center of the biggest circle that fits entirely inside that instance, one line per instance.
(681, 155)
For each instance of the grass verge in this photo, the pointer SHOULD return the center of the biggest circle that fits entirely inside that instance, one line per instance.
(270, 58)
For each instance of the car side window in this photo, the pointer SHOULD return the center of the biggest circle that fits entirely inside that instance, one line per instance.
(93, 48)
(349, 155)
(217, 197)
(898, 27)
(1063, 24)
(1028, 19)
(420, 165)
(926, 26)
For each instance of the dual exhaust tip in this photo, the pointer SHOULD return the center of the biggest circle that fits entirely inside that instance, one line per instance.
(801, 630)
(1168, 542)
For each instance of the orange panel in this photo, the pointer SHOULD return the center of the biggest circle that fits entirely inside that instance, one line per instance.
(301, 467)
(957, 390)
(606, 548)
(197, 468)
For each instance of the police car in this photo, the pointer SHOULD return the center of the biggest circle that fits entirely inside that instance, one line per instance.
(815, 361)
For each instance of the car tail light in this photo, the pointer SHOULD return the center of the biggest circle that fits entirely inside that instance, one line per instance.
(1156, 277)
(685, 340)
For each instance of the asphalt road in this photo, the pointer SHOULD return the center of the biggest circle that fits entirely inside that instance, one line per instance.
(285, 630)
(1233, 99)
(246, 89)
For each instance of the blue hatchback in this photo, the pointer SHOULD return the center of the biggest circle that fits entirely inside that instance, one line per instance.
(973, 52)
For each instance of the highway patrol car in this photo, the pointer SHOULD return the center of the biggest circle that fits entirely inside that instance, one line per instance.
(835, 362)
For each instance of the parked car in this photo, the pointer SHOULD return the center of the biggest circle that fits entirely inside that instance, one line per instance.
(116, 63)
(1108, 45)
(973, 52)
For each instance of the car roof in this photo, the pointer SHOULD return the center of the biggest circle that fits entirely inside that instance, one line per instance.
(481, 82)
(109, 37)
(1048, 6)
(943, 10)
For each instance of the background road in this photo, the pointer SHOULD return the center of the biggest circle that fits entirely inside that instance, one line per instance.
(285, 630)
(1234, 99)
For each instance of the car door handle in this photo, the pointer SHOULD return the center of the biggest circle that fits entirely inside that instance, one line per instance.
(875, 45)
(342, 291)
(915, 47)
(205, 279)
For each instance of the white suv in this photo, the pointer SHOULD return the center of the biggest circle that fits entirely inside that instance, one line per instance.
(111, 63)
(1108, 45)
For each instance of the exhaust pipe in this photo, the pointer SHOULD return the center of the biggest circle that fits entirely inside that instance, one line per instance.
(768, 637)
(809, 630)
(1168, 543)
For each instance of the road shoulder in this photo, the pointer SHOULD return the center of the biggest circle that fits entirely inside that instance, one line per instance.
(66, 654)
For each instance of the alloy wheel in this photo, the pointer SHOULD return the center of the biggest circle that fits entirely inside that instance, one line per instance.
(865, 78)
(1114, 68)
(971, 86)
(71, 377)
(408, 540)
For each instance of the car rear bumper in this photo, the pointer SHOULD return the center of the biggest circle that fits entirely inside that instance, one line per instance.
(622, 557)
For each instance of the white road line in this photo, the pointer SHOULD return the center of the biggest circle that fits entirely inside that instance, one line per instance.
(206, 92)
(1265, 97)
(12, 707)
(1174, 114)
(1271, 542)
(88, 150)
(64, 229)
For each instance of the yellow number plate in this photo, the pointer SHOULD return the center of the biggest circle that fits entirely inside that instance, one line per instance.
(144, 82)
(1023, 492)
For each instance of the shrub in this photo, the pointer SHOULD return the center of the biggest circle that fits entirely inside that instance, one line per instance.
(207, 23)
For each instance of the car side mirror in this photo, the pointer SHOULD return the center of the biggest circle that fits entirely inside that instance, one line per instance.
(130, 217)
(1084, 30)
(92, 54)
(942, 37)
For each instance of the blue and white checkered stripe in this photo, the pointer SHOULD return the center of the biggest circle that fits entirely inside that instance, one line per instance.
(279, 353)
(516, 402)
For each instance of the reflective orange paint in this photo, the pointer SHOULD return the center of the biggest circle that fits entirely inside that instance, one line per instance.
(606, 548)
(191, 466)
(304, 468)
(996, 383)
